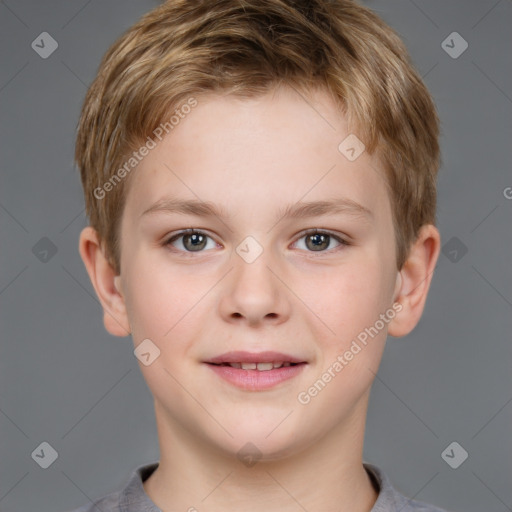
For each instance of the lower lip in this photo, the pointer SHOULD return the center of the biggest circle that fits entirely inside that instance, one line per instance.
(256, 380)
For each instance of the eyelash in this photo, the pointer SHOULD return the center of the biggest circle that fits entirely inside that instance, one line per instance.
(302, 234)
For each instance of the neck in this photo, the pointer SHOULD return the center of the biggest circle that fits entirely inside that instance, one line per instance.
(328, 475)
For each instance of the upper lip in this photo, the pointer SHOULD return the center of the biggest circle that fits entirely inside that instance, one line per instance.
(254, 357)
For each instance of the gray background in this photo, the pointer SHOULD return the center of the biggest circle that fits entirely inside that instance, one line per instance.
(65, 381)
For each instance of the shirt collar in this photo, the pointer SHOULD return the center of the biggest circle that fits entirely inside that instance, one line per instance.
(133, 497)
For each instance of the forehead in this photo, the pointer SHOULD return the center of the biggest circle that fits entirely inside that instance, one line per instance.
(256, 154)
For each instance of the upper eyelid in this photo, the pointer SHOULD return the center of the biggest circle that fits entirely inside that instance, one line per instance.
(312, 231)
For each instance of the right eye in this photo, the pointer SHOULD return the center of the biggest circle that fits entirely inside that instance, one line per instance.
(190, 240)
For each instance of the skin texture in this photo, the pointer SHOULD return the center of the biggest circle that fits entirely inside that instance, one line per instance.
(253, 157)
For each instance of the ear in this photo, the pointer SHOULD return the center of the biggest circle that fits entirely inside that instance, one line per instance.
(105, 283)
(413, 281)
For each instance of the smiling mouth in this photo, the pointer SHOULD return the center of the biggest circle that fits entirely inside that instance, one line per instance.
(257, 376)
(262, 367)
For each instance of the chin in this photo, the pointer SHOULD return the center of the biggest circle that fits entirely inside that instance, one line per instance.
(262, 442)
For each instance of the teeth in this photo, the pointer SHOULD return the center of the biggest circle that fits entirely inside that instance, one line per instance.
(258, 366)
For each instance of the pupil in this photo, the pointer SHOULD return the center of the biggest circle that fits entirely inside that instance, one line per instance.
(317, 240)
(196, 239)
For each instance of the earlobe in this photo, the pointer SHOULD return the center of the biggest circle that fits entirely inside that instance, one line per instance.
(413, 281)
(105, 282)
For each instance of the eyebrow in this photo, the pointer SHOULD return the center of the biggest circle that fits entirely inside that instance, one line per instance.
(297, 210)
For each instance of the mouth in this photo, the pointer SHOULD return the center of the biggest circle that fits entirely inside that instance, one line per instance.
(244, 358)
(262, 367)
(256, 371)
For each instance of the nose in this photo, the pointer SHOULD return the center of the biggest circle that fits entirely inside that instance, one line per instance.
(253, 294)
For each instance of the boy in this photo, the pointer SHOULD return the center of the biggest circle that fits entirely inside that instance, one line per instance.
(260, 181)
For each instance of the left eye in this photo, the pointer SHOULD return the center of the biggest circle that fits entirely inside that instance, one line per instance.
(317, 241)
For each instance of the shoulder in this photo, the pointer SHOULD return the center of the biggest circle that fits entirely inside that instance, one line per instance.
(129, 499)
(108, 503)
(419, 506)
(391, 500)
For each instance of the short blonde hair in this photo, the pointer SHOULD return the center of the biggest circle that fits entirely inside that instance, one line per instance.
(184, 48)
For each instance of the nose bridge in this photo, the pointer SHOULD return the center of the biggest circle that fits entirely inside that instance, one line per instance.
(254, 292)
(252, 275)
(252, 267)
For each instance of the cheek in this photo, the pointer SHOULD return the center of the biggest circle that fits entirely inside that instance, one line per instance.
(349, 358)
(159, 301)
(172, 309)
(352, 297)
(162, 307)
(357, 296)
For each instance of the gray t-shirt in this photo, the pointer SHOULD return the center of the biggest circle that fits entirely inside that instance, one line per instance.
(134, 499)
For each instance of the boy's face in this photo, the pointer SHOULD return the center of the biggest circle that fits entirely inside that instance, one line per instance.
(252, 159)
